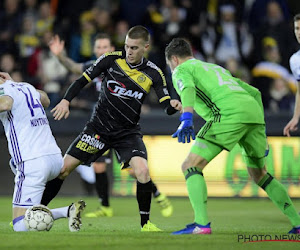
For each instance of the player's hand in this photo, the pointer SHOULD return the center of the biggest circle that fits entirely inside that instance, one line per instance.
(291, 126)
(56, 45)
(5, 76)
(186, 128)
(176, 104)
(61, 110)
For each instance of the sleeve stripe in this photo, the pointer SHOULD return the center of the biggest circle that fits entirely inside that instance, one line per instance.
(164, 98)
(87, 77)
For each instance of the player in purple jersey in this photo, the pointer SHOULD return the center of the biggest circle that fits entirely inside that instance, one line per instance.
(36, 158)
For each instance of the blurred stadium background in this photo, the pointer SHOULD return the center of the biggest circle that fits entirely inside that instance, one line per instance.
(252, 38)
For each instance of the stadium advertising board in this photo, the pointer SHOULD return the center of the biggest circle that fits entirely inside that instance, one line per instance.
(226, 175)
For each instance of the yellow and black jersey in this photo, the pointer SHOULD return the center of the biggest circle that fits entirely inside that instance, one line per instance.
(124, 89)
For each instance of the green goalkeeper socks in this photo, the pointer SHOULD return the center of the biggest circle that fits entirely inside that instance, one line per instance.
(278, 194)
(197, 190)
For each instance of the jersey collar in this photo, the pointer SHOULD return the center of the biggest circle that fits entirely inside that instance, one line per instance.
(135, 66)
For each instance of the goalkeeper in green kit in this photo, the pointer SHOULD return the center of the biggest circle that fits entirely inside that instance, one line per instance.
(233, 112)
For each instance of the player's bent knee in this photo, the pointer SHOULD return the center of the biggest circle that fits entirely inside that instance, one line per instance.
(64, 173)
(142, 174)
(257, 173)
(194, 161)
(99, 167)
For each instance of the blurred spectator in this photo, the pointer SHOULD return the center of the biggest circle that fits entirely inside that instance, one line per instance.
(27, 41)
(102, 20)
(282, 98)
(237, 69)
(276, 27)
(81, 45)
(196, 21)
(7, 63)
(45, 19)
(50, 71)
(30, 9)
(216, 29)
(257, 14)
(228, 39)
(10, 21)
(269, 69)
(17, 76)
(119, 35)
(67, 19)
(134, 11)
(174, 25)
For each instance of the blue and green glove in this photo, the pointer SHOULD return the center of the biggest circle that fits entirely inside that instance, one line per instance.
(185, 129)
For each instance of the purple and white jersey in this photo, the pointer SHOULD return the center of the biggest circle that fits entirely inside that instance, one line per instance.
(295, 65)
(26, 126)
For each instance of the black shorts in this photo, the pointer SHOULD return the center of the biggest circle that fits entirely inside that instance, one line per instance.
(106, 157)
(92, 144)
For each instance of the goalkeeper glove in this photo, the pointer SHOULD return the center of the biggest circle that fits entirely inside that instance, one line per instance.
(186, 128)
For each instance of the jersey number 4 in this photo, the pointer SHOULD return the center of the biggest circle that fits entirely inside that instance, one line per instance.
(30, 102)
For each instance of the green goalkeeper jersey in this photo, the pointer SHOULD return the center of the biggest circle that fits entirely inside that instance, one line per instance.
(215, 94)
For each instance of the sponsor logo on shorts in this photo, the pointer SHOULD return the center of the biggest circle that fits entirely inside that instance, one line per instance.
(90, 144)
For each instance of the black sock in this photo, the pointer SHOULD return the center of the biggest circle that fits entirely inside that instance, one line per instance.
(88, 187)
(102, 188)
(51, 190)
(143, 196)
(155, 191)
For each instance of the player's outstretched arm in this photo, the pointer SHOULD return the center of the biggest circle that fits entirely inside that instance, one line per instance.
(293, 123)
(44, 98)
(292, 126)
(61, 110)
(57, 46)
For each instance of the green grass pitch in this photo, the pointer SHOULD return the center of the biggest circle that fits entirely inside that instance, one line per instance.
(230, 218)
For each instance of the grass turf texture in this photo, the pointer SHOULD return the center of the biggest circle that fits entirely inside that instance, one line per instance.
(230, 218)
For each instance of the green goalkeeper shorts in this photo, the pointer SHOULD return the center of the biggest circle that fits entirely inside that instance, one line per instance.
(214, 137)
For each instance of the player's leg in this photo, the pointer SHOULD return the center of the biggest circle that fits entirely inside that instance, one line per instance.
(143, 188)
(30, 182)
(131, 150)
(161, 199)
(254, 146)
(278, 194)
(53, 186)
(210, 141)
(192, 169)
(84, 148)
(102, 187)
(143, 191)
(88, 178)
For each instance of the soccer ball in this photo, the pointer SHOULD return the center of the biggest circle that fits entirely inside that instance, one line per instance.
(38, 218)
